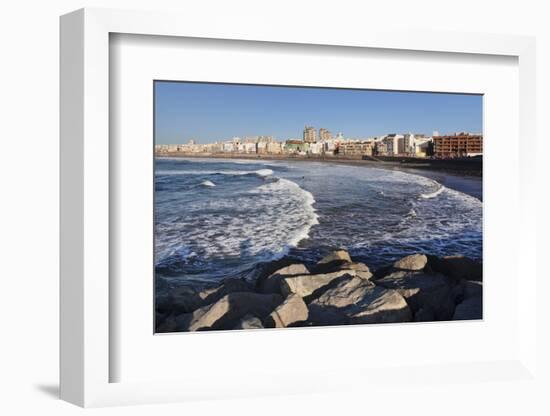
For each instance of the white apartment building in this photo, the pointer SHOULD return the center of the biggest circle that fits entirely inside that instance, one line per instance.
(316, 148)
(394, 144)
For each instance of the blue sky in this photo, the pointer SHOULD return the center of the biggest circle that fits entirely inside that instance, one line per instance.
(210, 112)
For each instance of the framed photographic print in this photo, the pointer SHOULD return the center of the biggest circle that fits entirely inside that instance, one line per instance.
(317, 228)
(235, 207)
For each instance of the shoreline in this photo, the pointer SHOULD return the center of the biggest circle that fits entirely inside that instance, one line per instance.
(337, 290)
(457, 176)
(466, 167)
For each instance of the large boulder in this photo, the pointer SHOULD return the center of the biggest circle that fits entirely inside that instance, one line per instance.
(361, 270)
(380, 306)
(307, 285)
(354, 300)
(226, 312)
(457, 267)
(334, 261)
(472, 288)
(470, 308)
(249, 322)
(344, 293)
(424, 314)
(423, 290)
(165, 323)
(272, 282)
(338, 255)
(471, 300)
(322, 316)
(182, 300)
(291, 312)
(412, 262)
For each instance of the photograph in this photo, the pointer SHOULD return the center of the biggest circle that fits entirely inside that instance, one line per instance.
(299, 206)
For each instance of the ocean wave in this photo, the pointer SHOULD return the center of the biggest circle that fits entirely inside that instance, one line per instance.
(263, 172)
(433, 194)
(208, 183)
(281, 186)
(262, 223)
(259, 172)
(377, 214)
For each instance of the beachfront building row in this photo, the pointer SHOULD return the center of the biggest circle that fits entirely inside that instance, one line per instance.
(325, 144)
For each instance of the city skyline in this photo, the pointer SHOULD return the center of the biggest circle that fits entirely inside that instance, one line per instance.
(209, 112)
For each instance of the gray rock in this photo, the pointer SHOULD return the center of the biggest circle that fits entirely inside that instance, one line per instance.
(354, 301)
(380, 306)
(345, 293)
(338, 255)
(412, 262)
(321, 316)
(249, 322)
(272, 282)
(164, 302)
(423, 290)
(291, 312)
(471, 288)
(165, 324)
(306, 285)
(361, 270)
(424, 314)
(226, 312)
(457, 267)
(470, 308)
(184, 301)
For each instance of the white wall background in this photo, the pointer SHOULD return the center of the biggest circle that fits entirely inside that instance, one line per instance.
(29, 205)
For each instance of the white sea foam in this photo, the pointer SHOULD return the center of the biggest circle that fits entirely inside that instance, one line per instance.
(264, 222)
(208, 183)
(264, 172)
(283, 189)
(374, 212)
(433, 194)
(259, 172)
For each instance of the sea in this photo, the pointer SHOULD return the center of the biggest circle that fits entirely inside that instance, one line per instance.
(220, 218)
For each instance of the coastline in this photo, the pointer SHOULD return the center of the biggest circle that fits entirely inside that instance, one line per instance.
(461, 177)
(337, 290)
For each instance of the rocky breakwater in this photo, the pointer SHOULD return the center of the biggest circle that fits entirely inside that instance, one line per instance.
(335, 291)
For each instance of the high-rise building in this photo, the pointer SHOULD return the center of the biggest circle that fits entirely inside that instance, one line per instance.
(324, 135)
(309, 134)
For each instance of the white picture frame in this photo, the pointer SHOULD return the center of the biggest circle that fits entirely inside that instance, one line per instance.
(86, 265)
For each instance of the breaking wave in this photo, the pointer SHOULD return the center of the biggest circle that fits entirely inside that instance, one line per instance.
(208, 183)
(433, 194)
(259, 172)
(259, 223)
(258, 214)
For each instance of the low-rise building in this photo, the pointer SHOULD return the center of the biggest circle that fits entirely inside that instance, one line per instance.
(229, 147)
(274, 148)
(350, 148)
(423, 148)
(458, 145)
(295, 146)
(380, 148)
(395, 144)
(316, 148)
(250, 147)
